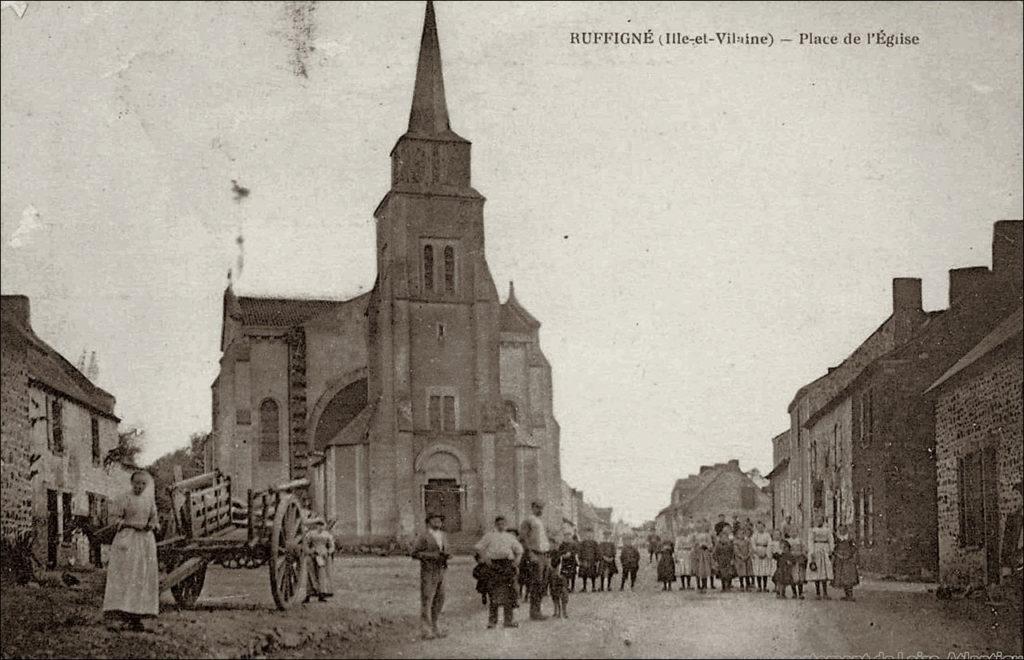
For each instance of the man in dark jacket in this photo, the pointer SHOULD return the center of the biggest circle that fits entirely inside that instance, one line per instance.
(629, 556)
(431, 550)
(589, 558)
(606, 549)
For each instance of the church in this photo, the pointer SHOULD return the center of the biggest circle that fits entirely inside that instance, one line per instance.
(425, 394)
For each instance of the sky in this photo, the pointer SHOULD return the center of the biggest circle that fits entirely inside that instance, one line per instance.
(701, 230)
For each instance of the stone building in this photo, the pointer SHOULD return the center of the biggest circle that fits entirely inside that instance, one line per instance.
(427, 393)
(818, 442)
(978, 457)
(715, 489)
(868, 456)
(57, 428)
(784, 489)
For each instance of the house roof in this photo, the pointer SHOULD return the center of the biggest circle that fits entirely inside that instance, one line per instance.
(1006, 330)
(48, 368)
(783, 464)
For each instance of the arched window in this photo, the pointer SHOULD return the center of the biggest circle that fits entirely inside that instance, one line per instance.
(428, 267)
(270, 431)
(449, 269)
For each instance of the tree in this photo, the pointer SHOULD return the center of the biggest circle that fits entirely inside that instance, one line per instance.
(126, 453)
(188, 458)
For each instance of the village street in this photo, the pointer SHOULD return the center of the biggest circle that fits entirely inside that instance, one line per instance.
(374, 614)
(887, 619)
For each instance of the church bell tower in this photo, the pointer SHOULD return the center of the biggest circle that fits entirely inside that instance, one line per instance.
(434, 313)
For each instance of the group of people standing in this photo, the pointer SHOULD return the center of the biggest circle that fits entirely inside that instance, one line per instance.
(752, 555)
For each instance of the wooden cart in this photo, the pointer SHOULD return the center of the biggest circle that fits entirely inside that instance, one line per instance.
(209, 527)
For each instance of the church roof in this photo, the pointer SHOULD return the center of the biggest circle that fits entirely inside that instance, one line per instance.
(286, 312)
(429, 114)
(514, 317)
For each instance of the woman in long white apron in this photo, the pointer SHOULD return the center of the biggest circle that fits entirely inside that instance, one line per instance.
(133, 577)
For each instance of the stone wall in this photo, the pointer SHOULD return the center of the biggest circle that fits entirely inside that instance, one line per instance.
(972, 412)
(15, 439)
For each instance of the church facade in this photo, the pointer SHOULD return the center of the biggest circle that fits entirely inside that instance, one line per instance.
(425, 394)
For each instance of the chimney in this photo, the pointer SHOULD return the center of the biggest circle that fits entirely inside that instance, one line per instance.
(735, 463)
(704, 468)
(906, 294)
(966, 285)
(18, 309)
(1008, 253)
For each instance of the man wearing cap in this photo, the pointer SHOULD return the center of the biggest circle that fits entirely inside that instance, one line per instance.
(499, 552)
(431, 550)
(535, 540)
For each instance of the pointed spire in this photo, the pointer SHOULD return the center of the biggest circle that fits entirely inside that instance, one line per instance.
(511, 291)
(429, 113)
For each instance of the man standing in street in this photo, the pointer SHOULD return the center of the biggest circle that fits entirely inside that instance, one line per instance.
(499, 553)
(535, 540)
(630, 559)
(431, 550)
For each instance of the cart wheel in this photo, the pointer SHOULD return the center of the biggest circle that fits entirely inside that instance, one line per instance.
(186, 592)
(287, 554)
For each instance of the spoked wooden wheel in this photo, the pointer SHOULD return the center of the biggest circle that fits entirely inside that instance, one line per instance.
(288, 569)
(187, 592)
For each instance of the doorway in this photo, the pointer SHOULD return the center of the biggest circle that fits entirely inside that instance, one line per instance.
(52, 528)
(444, 496)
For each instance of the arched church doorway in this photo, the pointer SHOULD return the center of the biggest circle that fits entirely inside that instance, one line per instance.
(443, 473)
(444, 497)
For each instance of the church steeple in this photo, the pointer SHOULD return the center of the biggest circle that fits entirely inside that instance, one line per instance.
(429, 114)
(430, 157)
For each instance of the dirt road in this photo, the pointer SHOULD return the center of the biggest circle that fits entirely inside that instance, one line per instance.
(886, 619)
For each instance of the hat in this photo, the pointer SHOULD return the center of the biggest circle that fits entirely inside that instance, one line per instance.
(434, 515)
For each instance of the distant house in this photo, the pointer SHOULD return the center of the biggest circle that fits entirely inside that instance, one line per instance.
(783, 487)
(716, 489)
(57, 428)
(978, 446)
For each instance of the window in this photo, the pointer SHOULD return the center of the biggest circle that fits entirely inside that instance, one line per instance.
(95, 441)
(270, 432)
(975, 476)
(866, 416)
(858, 516)
(428, 267)
(819, 493)
(748, 497)
(442, 410)
(57, 420)
(440, 331)
(869, 510)
(440, 266)
(449, 269)
(449, 413)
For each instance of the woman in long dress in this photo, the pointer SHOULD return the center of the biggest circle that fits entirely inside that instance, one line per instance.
(742, 558)
(725, 556)
(667, 566)
(820, 545)
(761, 553)
(684, 550)
(133, 577)
(700, 557)
(320, 546)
